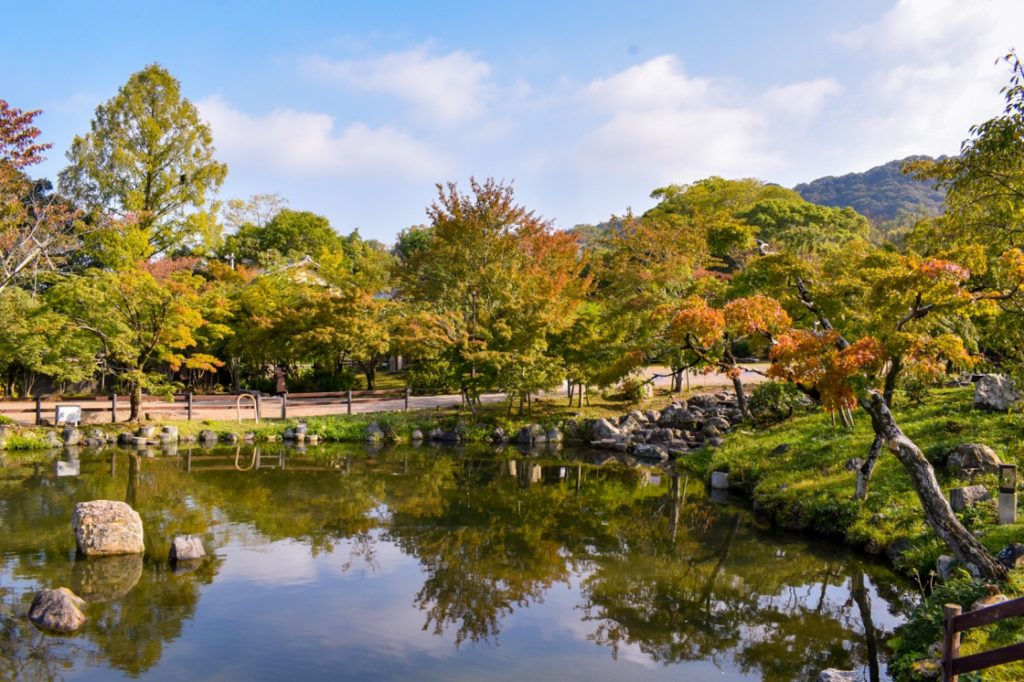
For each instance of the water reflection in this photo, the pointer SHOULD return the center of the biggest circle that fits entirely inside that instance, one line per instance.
(476, 543)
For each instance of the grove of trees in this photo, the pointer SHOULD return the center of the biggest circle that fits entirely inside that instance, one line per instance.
(132, 275)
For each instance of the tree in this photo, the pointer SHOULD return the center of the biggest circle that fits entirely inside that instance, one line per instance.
(288, 234)
(844, 374)
(144, 319)
(148, 160)
(37, 230)
(490, 285)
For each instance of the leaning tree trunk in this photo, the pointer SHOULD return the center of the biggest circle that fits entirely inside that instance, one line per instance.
(937, 512)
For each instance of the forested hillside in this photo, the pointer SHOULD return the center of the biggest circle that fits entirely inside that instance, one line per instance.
(882, 193)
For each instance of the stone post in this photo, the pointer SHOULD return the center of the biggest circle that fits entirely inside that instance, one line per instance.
(1007, 493)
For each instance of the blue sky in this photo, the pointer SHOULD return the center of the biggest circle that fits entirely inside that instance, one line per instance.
(354, 110)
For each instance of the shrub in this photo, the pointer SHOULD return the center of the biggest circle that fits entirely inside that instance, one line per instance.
(775, 401)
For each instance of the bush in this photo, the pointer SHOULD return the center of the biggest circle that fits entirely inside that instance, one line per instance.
(317, 380)
(432, 378)
(5, 420)
(634, 389)
(775, 401)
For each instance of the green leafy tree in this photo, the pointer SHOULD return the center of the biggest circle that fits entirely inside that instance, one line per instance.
(289, 234)
(489, 287)
(148, 160)
(144, 319)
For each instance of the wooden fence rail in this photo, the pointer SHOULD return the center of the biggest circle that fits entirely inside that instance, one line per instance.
(956, 622)
(113, 408)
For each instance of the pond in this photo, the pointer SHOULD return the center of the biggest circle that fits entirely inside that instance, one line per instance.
(422, 563)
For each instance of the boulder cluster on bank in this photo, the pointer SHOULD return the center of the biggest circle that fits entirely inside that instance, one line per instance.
(683, 426)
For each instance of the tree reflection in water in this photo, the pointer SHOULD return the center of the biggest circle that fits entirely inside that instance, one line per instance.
(659, 568)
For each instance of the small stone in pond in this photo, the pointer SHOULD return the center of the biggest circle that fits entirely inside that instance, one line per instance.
(59, 610)
(187, 548)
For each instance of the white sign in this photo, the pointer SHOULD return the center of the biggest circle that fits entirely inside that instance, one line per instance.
(68, 414)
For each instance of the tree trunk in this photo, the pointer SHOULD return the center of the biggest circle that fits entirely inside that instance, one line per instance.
(370, 372)
(741, 395)
(895, 367)
(136, 402)
(868, 468)
(939, 515)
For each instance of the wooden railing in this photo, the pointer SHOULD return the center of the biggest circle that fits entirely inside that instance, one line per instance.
(956, 622)
(114, 408)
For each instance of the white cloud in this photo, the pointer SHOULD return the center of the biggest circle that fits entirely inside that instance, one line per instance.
(673, 127)
(450, 88)
(802, 100)
(939, 77)
(304, 142)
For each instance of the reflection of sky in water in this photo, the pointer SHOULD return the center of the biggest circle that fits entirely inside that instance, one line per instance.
(284, 609)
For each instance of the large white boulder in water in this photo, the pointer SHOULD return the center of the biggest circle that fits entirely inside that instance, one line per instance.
(57, 610)
(106, 527)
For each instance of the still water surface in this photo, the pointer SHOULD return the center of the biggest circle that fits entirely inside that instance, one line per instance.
(421, 563)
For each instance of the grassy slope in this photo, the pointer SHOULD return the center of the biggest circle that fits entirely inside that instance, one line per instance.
(808, 487)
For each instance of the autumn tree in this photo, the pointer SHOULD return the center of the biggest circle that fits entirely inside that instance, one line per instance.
(488, 287)
(148, 160)
(144, 319)
(845, 375)
(37, 229)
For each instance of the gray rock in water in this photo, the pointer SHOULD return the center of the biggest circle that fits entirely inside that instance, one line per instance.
(968, 496)
(169, 434)
(498, 435)
(229, 438)
(656, 452)
(995, 392)
(945, 566)
(106, 578)
(105, 527)
(719, 480)
(418, 435)
(51, 440)
(374, 434)
(972, 457)
(313, 438)
(187, 548)
(207, 437)
(301, 428)
(604, 429)
(58, 610)
(289, 435)
(531, 435)
(125, 438)
(145, 431)
(71, 435)
(835, 675)
(554, 435)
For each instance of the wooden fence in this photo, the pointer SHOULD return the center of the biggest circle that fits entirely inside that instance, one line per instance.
(956, 622)
(114, 408)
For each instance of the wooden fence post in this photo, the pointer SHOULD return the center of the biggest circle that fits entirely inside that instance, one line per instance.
(348, 399)
(284, 406)
(113, 408)
(39, 410)
(188, 404)
(258, 403)
(407, 398)
(950, 643)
